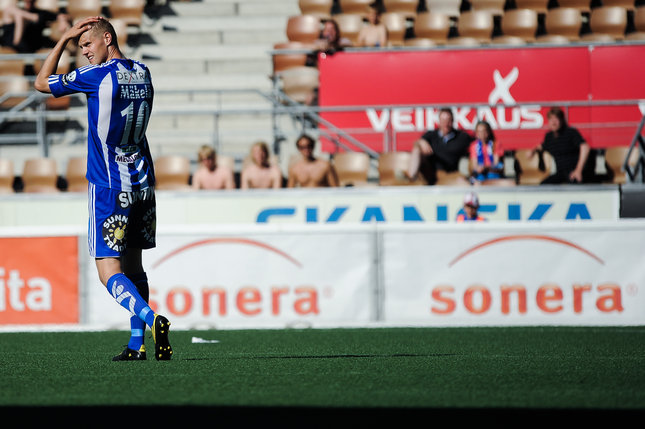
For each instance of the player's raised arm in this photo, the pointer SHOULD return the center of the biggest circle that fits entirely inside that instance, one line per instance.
(51, 62)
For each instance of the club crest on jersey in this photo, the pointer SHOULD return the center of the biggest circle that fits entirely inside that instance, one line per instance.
(69, 78)
(114, 229)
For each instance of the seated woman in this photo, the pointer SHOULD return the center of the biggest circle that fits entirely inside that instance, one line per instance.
(486, 155)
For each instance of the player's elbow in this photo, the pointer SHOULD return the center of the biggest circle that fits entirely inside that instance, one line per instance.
(42, 85)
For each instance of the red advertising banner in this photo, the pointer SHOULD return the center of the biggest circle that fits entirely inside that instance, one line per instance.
(39, 280)
(512, 88)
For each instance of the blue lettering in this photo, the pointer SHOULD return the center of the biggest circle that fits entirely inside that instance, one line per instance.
(540, 211)
(336, 214)
(411, 214)
(442, 213)
(375, 213)
(264, 215)
(578, 210)
(514, 212)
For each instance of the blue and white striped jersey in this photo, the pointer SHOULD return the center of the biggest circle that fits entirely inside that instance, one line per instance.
(119, 101)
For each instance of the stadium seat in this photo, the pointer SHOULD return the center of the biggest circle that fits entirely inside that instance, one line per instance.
(615, 159)
(289, 60)
(303, 28)
(476, 24)
(494, 7)
(639, 24)
(452, 8)
(625, 4)
(40, 175)
(75, 174)
(78, 9)
(453, 178)
(392, 167)
(360, 7)
(529, 172)
(352, 168)
(432, 26)
(608, 21)
(581, 5)
(539, 6)
(14, 66)
(552, 39)
(12, 80)
(407, 8)
(172, 172)
(350, 25)
(464, 41)
(300, 83)
(508, 40)
(121, 30)
(319, 8)
(396, 27)
(49, 5)
(130, 11)
(6, 176)
(420, 42)
(522, 23)
(564, 21)
(64, 66)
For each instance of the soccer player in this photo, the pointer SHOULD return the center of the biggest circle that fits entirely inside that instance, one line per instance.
(120, 171)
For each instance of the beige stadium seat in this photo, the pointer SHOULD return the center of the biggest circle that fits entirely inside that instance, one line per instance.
(13, 82)
(78, 9)
(407, 8)
(508, 40)
(319, 8)
(494, 7)
(284, 61)
(11, 67)
(352, 168)
(49, 5)
(625, 4)
(40, 175)
(396, 27)
(64, 66)
(564, 21)
(522, 23)
(608, 21)
(303, 28)
(540, 6)
(615, 159)
(529, 168)
(392, 167)
(172, 172)
(6, 176)
(639, 24)
(75, 174)
(360, 7)
(581, 5)
(300, 83)
(448, 7)
(349, 25)
(476, 24)
(432, 26)
(128, 11)
(453, 178)
(420, 42)
(552, 39)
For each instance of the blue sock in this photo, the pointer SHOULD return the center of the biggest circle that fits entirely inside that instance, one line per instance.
(138, 326)
(125, 293)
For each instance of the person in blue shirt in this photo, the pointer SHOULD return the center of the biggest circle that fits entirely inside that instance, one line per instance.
(120, 171)
(470, 211)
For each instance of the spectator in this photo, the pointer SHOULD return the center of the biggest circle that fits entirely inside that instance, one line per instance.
(569, 149)
(22, 29)
(260, 173)
(374, 34)
(310, 172)
(439, 149)
(209, 175)
(486, 155)
(470, 211)
(330, 39)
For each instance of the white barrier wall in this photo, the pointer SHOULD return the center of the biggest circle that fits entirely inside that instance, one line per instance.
(452, 275)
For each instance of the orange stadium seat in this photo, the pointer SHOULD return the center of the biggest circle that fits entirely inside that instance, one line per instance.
(12, 80)
(352, 168)
(522, 23)
(40, 175)
(396, 28)
(420, 42)
(494, 7)
(540, 6)
(451, 8)
(432, 26)
(284, 61)
(407, 8)
(626, 4)
(6, 176)
(563, 21)
(360, 7)
(78, 9)
(64, 66)
(319, 8)
(581, 5)
(172, 172)
(607, 21)
(529, 172)
(303, 28)
(639, 24)
(129, 11)
(476, 24)
(75, 174)
(349, 25)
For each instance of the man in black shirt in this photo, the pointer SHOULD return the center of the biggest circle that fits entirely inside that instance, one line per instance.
(439, 149)
(569, 149)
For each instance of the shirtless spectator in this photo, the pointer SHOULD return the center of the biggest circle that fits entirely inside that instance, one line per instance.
(310, 172)
(374, 34)
(259, 173)
(209, 175)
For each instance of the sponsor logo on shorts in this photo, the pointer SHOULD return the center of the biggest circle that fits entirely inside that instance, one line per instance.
(114, 229)
(150, 225)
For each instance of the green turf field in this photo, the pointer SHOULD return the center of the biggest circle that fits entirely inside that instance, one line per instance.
(548, 367)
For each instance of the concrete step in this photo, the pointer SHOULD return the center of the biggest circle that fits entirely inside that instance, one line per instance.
(236, 8)
(181, 79)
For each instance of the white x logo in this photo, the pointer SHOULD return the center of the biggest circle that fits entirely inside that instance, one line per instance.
(502, 89)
